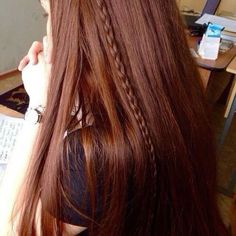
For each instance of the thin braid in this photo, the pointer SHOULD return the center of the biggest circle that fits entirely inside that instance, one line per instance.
(110, 37)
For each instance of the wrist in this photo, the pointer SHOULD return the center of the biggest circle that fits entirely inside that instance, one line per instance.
(34, 114)
(36, 103)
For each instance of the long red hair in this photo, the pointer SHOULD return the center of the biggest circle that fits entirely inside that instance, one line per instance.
(150, 148)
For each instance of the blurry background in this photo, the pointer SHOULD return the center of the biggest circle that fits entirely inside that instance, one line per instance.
(197, 5)
(21, 23)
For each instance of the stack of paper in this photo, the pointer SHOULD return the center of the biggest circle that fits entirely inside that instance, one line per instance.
(9, 129)
(231, 36)
(229, 25)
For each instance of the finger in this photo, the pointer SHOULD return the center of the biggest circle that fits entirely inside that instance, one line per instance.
(35, 49)
(23, 63)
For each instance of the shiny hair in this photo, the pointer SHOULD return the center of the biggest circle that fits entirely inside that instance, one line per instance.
(148, 158)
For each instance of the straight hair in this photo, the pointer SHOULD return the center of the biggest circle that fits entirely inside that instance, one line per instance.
(149, 156)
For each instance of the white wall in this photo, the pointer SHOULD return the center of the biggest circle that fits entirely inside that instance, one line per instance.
(21, 23)
(228, 5)
(197, 5)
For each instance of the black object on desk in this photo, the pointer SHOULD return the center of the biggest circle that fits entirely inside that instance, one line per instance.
(189, 20)
(15, 99)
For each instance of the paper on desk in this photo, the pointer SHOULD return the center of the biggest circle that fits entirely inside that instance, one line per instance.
(230, 25)
(9, 130)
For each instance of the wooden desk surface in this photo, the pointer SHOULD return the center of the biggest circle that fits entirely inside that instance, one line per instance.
(232, 66)
(7, 111)
(214, 65)
(232, 93)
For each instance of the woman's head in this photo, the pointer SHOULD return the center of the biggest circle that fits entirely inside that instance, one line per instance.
(150, 146)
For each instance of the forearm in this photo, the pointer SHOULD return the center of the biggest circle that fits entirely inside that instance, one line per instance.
(15, 174)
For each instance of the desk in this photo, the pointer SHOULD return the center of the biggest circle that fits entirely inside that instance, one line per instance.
(231, 69)
(213, 65)
(209, 66)
(7, 111)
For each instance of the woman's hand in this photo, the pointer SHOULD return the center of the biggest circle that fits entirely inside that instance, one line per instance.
(36, 80)
(36, 73)
(32, 56)
(36, 48)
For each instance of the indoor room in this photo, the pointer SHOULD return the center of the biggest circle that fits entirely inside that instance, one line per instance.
(114, 83)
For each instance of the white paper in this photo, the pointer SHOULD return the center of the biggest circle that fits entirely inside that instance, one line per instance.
(9, 129)
(2, 172)
(230, 25)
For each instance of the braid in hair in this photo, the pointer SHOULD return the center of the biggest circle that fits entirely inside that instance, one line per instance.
(110, 37)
